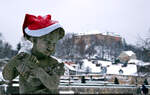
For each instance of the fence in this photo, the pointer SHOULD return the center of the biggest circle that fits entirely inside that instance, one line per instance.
(98, 84)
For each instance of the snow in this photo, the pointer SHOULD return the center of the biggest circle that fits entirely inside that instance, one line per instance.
(1, 76)
(134, 61)
(89, 64)
(90, 32)
(113, 69)
(131, 69)
(143, 64)
(69, 67)
(96, 31)
(130, 53)
(104, 63)
(58, 59)
(111, 34)
(66, 92)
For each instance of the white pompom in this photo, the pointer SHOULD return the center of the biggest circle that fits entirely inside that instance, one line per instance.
(26, 46)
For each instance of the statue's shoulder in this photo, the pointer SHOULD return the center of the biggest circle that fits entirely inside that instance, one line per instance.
(9, 71)
(17, 59)
(22, 55)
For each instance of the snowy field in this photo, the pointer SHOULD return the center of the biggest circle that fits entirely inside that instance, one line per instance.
(130, 69)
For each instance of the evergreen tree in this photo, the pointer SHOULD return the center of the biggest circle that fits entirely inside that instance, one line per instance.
(116, 81)
(145, 82)
(18, 46)
(83, 79)
(5, 49)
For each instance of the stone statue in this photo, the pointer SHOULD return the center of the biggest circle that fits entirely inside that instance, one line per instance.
(39, 73)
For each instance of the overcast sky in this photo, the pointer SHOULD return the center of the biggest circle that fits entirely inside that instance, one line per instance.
(128, 18)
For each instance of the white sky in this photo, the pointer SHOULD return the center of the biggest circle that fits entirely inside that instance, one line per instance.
(128, 18)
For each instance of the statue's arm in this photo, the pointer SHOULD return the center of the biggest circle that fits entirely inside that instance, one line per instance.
(17, 65)
(59, 67)
(50, 79)
(10, 72)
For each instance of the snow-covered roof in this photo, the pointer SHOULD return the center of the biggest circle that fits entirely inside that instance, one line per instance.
(113, 69)
(131, 69)
(134, 61)
(69, 67)
(130, 53)
(91, 65)
(143, 63)
(104, 63)
(59, 60)
(94, 31)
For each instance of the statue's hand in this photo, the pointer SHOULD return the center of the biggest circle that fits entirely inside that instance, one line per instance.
(27, 63)
(22, 63)
(9, 71)
(59, 69)
(23, 69)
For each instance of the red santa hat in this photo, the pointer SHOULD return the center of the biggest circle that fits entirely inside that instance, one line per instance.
(39, 26)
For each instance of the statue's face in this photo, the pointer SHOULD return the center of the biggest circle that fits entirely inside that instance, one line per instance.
(46, 44)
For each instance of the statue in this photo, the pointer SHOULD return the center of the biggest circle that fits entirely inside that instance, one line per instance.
(39, 73)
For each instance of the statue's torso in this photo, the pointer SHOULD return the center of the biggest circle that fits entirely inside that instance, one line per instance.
(30, 84)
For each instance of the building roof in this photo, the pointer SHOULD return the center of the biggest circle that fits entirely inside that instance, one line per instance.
(70, 67)
(129, 53)
(134, 61)
(69, 63)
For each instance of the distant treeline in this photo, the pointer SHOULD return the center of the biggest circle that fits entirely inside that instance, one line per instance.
(68, 48)
(6, 50)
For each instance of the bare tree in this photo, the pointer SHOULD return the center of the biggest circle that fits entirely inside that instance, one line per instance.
(144, 44)
(80, 48)
(6, 49)
(65, 47)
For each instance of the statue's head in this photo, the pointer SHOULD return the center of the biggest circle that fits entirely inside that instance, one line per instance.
(43, 33)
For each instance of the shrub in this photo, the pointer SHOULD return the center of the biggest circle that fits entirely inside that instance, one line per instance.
(116, 81)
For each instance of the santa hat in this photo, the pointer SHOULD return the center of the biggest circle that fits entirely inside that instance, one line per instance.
(39, 26)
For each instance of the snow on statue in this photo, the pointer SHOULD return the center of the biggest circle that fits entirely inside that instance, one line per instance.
(39, 73)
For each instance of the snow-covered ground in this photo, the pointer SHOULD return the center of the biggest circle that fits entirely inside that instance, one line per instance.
(130, 69)
(92, 66)
(105, 63)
